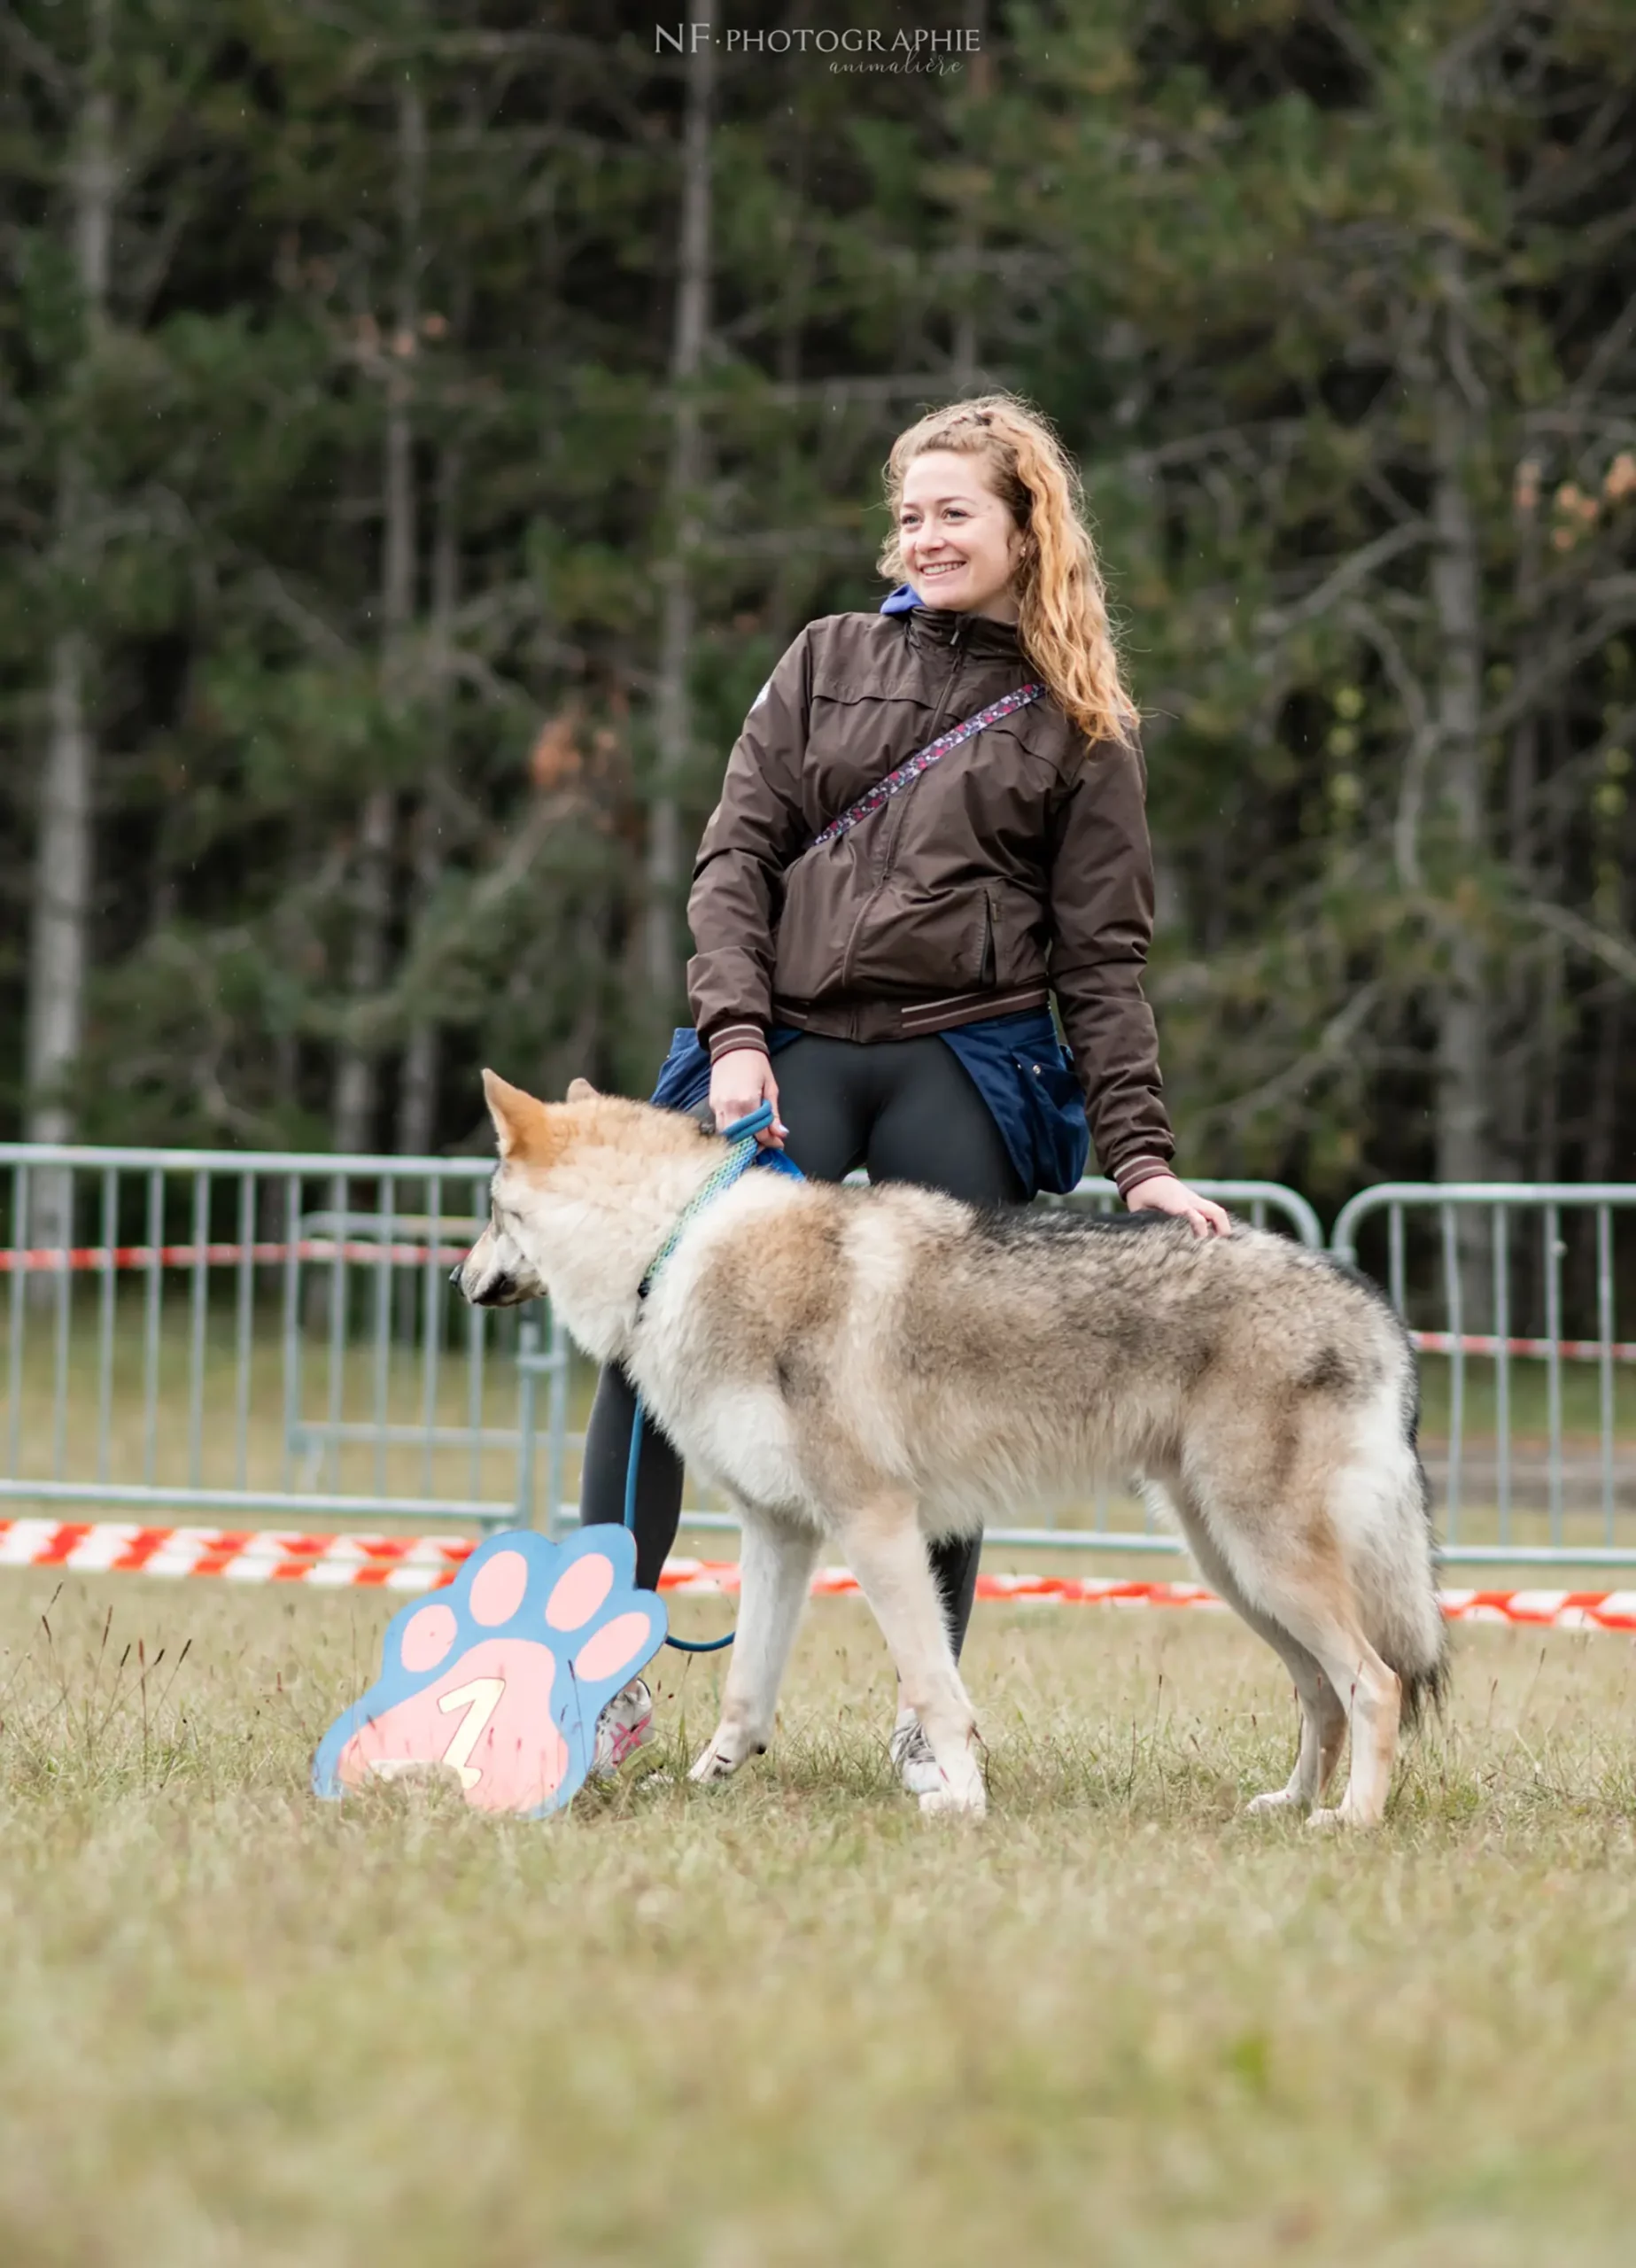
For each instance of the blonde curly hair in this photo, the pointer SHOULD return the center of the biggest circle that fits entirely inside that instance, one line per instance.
(1062, 615)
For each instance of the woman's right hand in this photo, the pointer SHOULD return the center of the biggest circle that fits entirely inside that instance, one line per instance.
(740, 1081)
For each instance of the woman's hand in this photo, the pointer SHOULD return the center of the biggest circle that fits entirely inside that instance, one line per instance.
(740, 1081)
(1162, 1193)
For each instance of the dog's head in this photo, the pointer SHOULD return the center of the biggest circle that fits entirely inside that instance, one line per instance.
(497, 1272)
(538, 1142)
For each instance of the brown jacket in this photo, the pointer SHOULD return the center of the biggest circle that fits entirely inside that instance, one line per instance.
(1017, 865)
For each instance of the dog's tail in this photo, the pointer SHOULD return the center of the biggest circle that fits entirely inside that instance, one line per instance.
(1396, 1561)
(1419, 1651)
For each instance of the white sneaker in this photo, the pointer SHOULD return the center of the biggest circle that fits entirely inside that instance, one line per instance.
(911, 1752)
(625, 1725)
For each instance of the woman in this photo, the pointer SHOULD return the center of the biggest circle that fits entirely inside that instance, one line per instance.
(886, 990)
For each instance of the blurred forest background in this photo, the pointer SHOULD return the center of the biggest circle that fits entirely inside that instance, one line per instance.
(422, 422)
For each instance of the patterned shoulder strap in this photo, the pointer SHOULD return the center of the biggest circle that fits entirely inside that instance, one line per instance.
(910, 769)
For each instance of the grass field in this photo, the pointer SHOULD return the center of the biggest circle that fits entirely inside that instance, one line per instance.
(791, 2022)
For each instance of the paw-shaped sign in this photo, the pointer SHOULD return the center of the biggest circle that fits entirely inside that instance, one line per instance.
(499, 1679)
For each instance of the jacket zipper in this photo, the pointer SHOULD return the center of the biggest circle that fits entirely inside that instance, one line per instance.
(956, 643)
(985, 973)
(957, 655)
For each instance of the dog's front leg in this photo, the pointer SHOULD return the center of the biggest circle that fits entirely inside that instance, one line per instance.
(887, 1554)
(775, 1564)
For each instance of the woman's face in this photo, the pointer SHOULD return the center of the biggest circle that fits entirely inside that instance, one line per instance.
(961, 545)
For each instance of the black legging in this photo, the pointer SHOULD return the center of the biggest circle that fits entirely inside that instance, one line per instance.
(906, 1109)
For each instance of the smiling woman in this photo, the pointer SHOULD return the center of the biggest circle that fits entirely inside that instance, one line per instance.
(931, 823)
(960, 546)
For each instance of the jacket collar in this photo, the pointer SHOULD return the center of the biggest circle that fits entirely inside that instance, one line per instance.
(969, 634)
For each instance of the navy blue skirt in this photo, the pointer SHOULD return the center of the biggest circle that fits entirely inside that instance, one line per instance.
(1019, 1067)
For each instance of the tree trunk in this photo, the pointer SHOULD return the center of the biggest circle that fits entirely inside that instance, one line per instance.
(287, 1079)
(1606, 1157)
(1553, 983)
(790, 572)
(965, 361)
(358, 1069)
(59, 946)
(61, 899)
(417, 1093)
(1462, 1122)
(673, 706)
(417, 1086)
(1516, 1076)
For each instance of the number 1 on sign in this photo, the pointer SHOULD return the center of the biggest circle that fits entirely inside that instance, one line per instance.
(479, 1699)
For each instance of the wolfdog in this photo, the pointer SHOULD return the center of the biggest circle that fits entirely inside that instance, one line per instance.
(873, 1367)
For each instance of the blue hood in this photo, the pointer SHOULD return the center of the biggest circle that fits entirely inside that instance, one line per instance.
(901, 600)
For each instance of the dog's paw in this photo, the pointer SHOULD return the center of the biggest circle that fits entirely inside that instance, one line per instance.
(726, 1752)
(959, 1787)
(1275, 1799)
(949, 1805)
(1343, 1817)
(498, 1681)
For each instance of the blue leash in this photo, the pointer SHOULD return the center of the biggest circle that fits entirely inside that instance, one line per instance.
(742, 1134)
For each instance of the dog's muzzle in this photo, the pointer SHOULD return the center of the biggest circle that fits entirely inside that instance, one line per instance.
(497, 1290)
(495, 1274)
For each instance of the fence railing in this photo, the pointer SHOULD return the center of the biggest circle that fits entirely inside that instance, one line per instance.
(240, 1332)
(231, 1332)
(1529, 1407)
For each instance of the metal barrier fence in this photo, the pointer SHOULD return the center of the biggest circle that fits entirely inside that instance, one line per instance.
(229, 1331)
(1510, 1289)
(232, 1331)
(185, 1329)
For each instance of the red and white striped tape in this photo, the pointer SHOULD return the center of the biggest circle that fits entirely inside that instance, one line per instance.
(1552, 1610)
(399, 1562)
(423, 1563)
(108, 1259)
(1568, 1350)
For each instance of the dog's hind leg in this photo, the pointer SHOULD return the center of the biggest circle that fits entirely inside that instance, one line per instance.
(1323, 1729)
(887, 1554)
(1323, 1719)
(1292, 1569)
(776, 1563)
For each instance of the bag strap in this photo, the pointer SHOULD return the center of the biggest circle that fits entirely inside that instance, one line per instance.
(910, 769)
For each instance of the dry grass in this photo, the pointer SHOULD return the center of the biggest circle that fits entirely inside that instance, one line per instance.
(790, 2022)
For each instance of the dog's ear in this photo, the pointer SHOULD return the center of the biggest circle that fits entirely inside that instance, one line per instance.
(581, 1090)
(519, 1121)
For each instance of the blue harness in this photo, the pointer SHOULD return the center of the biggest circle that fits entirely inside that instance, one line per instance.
(745, 1151)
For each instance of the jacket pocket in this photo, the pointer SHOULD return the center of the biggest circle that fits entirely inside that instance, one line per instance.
(924, 942)
(985, 973)
(821, 893)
